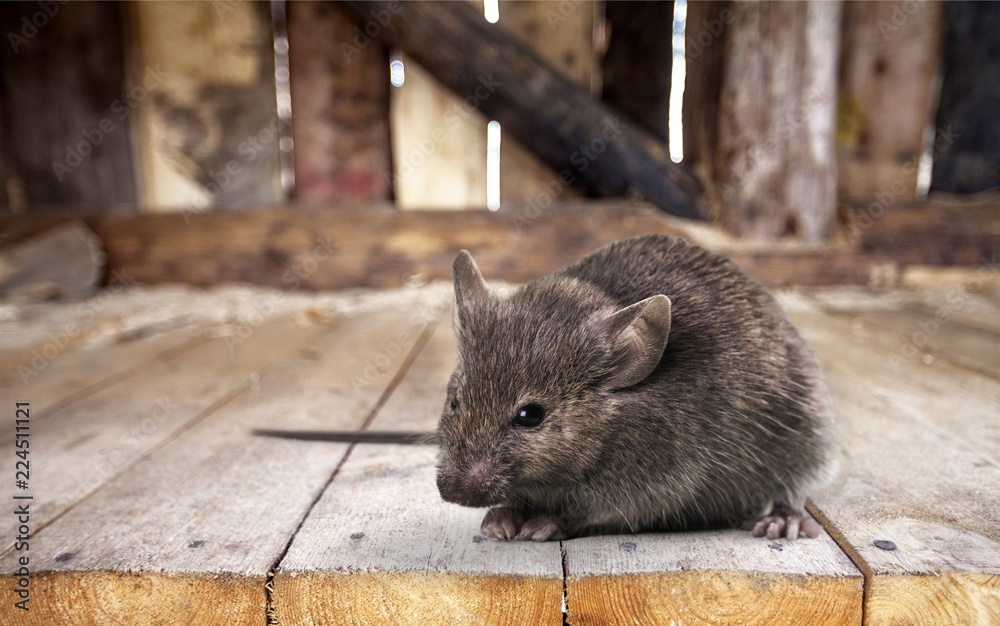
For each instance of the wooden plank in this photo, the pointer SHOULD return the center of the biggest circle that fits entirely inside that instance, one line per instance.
(923, 471)
(199, 523)
(967, 145)
(890, 59)
(366, 555)
(922, 335)
(340, 91)
(55, 377)
(209, 124)
(711, 577)
(704, 55)
(437, 135)
(558, 120)
(65, 106)
(91, 441)
(777, 164)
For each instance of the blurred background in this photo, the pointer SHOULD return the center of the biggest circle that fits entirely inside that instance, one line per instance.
(813, 122)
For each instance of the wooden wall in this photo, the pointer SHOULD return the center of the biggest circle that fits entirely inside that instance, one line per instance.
(789, 109)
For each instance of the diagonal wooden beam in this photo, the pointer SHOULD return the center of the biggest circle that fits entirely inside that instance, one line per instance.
(586, 142)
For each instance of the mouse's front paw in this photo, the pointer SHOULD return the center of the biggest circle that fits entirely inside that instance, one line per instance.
(501, 523)
(543, 527)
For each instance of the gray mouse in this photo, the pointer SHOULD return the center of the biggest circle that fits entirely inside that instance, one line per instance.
(650, 386)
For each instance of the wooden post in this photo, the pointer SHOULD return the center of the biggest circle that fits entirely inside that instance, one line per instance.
(889, 65)
(637, 66)
(588, 144)
(65, 106)
(209, 124)
(704, 53)
(967, 145)
(776, 160)
(340, 95)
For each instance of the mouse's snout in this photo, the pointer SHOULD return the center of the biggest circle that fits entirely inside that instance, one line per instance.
(470, 484)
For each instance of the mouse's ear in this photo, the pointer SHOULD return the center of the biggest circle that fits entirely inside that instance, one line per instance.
(470, 286)
(638, 334)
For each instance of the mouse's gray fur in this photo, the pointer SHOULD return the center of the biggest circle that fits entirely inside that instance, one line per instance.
(676, 394)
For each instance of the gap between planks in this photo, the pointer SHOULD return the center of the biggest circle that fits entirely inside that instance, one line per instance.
(411, 356)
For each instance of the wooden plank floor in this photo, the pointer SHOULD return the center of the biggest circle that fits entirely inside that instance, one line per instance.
(153, 504)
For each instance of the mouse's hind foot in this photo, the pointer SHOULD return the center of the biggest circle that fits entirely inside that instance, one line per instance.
(788, 518)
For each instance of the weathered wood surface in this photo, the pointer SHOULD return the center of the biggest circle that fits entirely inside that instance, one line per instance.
(340, 90)
(922, 441)
(369, 554)
(776, 165)
(716, 577)
(704, 54)
(208, 123)
(205, 524)
(311, 249)
(940, 232)
(558, 120)
(438, 143)
(890, 58)
(189, 534)
(564, 36)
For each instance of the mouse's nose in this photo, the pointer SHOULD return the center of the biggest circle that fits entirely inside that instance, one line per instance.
(470, 484)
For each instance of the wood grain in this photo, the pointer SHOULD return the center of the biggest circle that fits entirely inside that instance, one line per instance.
(888, 68)
(100, 436)
(712, 577)
(174, 535)
(381, 546)
(775, 172)
(208, 124)
(922, 442)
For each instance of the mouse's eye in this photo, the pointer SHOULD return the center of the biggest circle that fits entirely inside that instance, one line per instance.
(454, 402)
(529, 416)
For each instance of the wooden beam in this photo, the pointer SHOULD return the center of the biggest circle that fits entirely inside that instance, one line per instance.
(940, 232)
(587, 143)
(208, 126)
(302, 248)
(704, 53)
